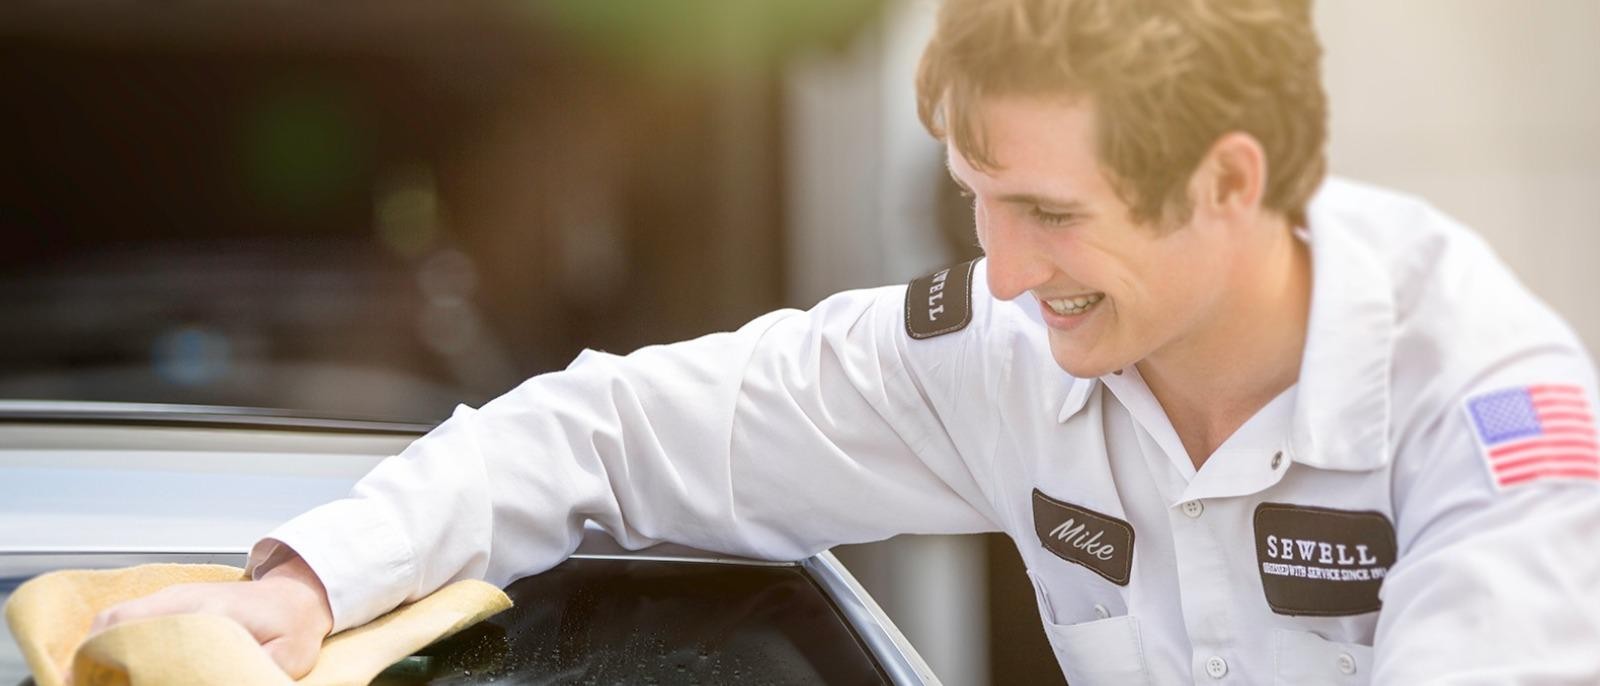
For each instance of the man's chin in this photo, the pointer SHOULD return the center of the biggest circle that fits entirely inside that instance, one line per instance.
(1080, 364)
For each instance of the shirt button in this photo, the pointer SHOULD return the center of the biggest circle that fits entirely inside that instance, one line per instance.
(1101, 612)
(1277, 459)
(1347, 664)
(1217, 667)
(1193, 508)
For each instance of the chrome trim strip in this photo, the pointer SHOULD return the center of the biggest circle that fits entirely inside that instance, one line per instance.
(16, 567)
(688, 555)
(739, 561)
(43, 411)
(904, 665)
(131, 557)
(110, 552)
(65, 551)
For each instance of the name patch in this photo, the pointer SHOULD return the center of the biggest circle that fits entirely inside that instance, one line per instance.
(1082, 536)
(940, 303)
(1322, 562)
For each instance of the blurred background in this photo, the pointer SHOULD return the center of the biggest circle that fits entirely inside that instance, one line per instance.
(381, 209)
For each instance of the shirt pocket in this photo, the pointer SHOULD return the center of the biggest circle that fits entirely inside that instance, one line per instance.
(1303, 658)
(1102, 651)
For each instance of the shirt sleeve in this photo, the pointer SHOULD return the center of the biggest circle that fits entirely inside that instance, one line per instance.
(1498, 579)
(799, 431)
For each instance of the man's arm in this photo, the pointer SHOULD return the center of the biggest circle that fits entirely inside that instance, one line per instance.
(800, 431)
(1495, 584)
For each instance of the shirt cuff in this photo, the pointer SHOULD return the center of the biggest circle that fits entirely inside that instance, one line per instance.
(363, 560)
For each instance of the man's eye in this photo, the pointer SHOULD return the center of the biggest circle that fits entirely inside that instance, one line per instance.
(1052, 218)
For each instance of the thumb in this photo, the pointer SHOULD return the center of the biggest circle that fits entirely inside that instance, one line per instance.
(295, 655)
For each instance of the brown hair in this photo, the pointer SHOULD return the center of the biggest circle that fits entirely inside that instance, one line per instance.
(1168, 78)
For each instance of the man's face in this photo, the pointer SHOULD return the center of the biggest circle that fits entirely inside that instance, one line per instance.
(1112, 292)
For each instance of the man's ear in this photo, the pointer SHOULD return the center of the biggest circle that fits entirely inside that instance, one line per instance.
(1231, 179)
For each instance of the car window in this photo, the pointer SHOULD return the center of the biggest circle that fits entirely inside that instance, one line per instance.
(595, 621)
(610, 621)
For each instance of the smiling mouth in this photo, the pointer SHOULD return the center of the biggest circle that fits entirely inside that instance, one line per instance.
(1074, 305)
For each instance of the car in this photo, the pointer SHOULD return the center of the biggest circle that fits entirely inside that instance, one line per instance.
(103, 485)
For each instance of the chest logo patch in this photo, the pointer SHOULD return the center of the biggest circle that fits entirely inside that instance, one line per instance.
(1082, 536)
(940, 303)
(1322, 562)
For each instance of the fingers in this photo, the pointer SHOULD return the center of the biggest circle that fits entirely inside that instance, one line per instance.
(288, 621)
(282, 615)
(162, 603)
(157, 605)
(296, 654)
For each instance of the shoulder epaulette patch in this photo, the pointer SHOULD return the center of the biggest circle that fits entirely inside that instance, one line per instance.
(1534, 433)
(940, 303)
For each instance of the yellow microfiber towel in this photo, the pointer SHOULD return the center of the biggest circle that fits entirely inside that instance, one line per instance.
(50, 616)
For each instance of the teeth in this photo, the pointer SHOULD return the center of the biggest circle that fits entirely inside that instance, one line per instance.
(1074, 305)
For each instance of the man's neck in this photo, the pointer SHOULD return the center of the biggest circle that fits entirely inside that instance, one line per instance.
(1212, 382)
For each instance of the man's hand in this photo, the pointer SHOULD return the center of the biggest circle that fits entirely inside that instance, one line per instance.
(286, 610)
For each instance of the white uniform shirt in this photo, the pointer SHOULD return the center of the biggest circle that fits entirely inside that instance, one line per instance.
(1369, 481)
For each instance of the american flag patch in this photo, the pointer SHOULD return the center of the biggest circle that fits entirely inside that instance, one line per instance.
(1530, 433)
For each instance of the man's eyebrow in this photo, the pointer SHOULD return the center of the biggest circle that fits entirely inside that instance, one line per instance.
(1064, 204)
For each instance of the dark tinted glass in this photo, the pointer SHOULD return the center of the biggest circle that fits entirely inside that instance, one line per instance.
(635, 622)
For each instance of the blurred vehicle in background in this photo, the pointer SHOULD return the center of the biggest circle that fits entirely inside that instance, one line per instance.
(382, 209)
(322, 327)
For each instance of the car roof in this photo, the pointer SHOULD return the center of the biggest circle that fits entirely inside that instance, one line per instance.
(133, 479)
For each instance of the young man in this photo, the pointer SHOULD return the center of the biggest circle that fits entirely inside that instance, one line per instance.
(1238, 433)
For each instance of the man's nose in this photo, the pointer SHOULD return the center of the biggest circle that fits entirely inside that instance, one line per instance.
(1015, 265)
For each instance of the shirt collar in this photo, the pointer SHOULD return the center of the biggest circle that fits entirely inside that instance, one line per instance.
(1077, 397)
(1342, 412)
